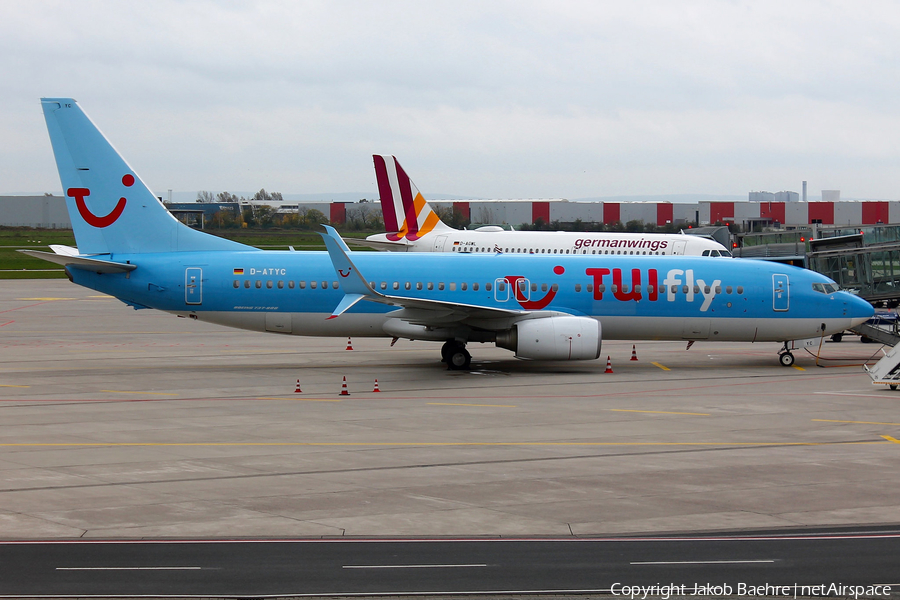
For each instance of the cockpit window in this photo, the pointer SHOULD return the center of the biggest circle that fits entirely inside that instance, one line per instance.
(826, 288)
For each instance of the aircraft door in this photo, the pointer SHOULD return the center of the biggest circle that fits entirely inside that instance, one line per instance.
(780, 293)
(193, 285)
(678, 247)
(439, 243)
(522, 292)
(501, 290)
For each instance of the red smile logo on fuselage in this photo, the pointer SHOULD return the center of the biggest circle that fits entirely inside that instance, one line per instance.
(90, 218)
(522, 299)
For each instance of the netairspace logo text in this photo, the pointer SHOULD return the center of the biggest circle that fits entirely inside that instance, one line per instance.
(672, 590)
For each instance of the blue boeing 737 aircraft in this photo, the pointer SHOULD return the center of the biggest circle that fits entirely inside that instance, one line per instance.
(539, 306)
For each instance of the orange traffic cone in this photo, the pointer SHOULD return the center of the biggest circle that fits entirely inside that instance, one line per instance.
(349, 345)
(344, 391)
(298, 390)
(608, 365)
(376, 387)
(633, 353)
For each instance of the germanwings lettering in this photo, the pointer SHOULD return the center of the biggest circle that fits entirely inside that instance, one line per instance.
(652, 245)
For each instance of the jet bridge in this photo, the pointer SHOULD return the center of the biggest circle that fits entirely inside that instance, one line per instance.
(871, 272)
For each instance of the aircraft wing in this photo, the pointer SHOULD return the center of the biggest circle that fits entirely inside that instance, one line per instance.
(419, 311)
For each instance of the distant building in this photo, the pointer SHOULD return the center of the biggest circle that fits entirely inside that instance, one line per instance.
(44, 212)
(762, 197)
(50, 211)
(776, 197)
(787, 197)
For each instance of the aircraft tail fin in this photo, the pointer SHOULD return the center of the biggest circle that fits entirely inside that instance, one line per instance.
(406, 212)
(111, 209)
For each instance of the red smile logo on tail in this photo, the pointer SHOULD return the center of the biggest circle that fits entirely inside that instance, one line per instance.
(90, 218)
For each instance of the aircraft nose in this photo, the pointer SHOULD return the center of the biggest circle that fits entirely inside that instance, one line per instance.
(859, 310)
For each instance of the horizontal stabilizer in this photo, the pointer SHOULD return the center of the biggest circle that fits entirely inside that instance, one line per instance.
(389, 246)
(81, 262)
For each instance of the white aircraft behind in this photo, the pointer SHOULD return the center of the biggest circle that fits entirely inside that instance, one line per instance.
(413, 226)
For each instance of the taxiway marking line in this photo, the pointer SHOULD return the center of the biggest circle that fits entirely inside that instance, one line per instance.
(861, 422)
(128, 568)
(659, 412)
(16, 386)
(461, 404)
(702, 562)
(302, 399)
(798, 368)
(663, 367)
(21, 307)
(852, 394)
(431, 444)
(7, 323)
(890, 439)
(146, 393)
(412, 566)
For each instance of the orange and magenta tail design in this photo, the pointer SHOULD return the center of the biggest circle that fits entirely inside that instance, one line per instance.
(406, 212)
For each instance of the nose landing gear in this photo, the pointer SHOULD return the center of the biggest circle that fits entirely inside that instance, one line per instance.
(785, 357)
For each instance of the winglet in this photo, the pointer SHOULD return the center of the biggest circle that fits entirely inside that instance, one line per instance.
(346, 303)
(352, 281)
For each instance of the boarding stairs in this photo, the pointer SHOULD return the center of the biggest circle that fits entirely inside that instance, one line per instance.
(888, 337)
(887, 370)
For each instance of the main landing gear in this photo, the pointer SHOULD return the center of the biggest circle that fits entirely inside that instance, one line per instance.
(455, 355)
(785, 357)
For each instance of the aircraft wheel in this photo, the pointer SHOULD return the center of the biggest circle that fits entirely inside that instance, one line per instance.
(459, 359)
(837, 337)
(893, 386)
(786, 359)
(448, 347)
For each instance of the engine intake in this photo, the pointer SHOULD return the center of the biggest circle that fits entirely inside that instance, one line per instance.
(553, 338)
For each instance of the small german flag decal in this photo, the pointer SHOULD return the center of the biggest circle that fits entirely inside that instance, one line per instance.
(238, 271)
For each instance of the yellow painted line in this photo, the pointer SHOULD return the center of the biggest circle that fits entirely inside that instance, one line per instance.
(798, 368)
(435, 444)
(265, 351)
(460, 404)
(660, 412)
(302, 399)
(663, 367)
(16, 386)
(142, 393)
(862, 422)
(116, 350)
(890, 439)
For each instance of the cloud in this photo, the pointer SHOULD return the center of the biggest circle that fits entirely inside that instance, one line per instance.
(508, 99)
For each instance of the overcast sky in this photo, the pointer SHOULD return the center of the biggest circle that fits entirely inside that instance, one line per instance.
(484, 99)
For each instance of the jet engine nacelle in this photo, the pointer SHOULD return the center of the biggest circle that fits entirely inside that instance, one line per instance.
(553, 338)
